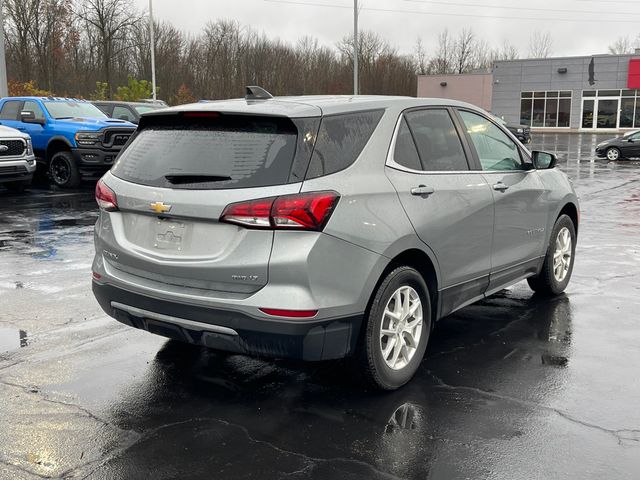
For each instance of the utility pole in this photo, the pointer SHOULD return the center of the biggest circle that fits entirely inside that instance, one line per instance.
(355, 47)
(4, 89)
(153, 49)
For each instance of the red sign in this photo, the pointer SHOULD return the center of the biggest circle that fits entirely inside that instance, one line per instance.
(634, 73)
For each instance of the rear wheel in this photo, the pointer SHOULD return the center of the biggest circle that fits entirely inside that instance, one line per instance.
(397, 330)
(558, 262)
(63, 170)
(17, 186)
(613, 154)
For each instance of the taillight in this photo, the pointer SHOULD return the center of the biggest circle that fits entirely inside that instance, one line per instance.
(105, 197)
(250, 214)
(304, 211)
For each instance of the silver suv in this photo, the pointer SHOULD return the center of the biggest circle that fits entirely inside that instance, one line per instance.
(17, 162)
(322, 227)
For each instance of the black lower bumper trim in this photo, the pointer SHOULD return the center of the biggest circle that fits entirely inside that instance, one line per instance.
(315, 340)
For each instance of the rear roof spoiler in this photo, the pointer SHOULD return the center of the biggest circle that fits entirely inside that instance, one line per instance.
(257, 93)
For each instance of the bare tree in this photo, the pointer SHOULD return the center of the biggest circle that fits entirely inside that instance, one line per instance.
(444, 59)
(420, 56)
(109, 22)
(464, 51)
(540, 45)
(622, 45)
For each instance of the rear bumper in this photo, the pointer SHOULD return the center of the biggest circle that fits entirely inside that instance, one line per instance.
(230, 330)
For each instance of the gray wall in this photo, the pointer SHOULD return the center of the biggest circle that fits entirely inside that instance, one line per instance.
(510, 78)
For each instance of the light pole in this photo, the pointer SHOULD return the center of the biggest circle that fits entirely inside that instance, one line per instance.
(4, 90)
(153, 49)
(355, 47)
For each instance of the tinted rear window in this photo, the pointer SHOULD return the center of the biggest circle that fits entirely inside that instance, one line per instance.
(340, 140)
(226, 152)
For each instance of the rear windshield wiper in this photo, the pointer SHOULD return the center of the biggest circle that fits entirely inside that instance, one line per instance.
(186, 178)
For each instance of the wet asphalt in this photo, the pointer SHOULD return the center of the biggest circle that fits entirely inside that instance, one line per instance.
(514, 387)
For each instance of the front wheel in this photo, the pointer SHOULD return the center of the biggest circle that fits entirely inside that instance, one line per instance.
(397, 330)
(63, 170)
(613, 154)
(558, 262)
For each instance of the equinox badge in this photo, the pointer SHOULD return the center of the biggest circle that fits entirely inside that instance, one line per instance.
(160, 207)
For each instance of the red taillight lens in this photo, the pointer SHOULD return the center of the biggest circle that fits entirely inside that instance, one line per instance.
(304, 211)
(309, 211)
(105, 197)
(289, 313)
(250, 214)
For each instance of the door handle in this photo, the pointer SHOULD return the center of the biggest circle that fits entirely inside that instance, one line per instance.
(422, 190)
(500, 186)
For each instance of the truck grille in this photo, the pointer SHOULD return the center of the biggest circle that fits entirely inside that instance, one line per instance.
(116, 137)
(12, 148)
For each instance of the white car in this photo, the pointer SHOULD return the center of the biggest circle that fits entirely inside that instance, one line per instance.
(17, 162)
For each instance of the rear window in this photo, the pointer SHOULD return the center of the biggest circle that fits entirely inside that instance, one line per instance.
(228, 151)
(340, 140)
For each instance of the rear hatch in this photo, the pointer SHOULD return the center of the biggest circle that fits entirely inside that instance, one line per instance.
(175, 178)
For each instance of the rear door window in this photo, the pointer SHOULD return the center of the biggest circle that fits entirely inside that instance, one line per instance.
(437, 139)
(340, 141)
(405, 152)
(228, 151)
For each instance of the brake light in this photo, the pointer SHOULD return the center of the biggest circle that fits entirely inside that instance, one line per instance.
(289, 313)
(304, 211)
(200, 114)
(105, 197)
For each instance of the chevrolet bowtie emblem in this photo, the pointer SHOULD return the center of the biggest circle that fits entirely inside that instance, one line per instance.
(160, 207)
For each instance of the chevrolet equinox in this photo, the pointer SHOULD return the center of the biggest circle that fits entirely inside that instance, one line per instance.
(320, 227)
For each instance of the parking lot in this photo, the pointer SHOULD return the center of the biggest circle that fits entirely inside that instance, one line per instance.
(513, 387)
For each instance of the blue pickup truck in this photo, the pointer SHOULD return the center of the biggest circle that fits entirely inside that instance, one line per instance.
(72, 139)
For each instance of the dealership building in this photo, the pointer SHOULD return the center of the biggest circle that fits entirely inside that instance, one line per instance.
(591, 93)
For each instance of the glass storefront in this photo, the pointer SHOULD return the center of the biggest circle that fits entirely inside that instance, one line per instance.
(545, 109)
(610, 109)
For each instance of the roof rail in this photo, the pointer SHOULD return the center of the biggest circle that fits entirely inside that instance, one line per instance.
(257, 93)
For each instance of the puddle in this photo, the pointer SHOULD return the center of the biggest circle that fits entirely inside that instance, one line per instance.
(12, 339)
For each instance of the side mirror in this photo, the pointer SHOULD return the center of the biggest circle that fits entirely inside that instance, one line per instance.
(27, 116)
(543, 160)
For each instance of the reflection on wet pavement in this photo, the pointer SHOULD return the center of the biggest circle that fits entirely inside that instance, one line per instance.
(516, 386)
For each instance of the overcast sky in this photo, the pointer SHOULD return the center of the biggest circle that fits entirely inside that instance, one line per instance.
(578, 27)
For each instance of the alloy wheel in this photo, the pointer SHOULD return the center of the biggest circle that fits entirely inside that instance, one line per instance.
(60, 170)
(613, 154)
(562, 255)
(401, 327)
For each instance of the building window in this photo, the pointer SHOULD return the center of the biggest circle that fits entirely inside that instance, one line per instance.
(610, 109)
(546, 109)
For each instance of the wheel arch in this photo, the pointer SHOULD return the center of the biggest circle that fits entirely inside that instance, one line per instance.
(419, 260)
(57, 144)
(571, 210)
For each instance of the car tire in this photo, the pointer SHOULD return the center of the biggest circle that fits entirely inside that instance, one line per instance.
(17, 186)
(392, 347)
(558, 261)
(613, 154)
(63, 170)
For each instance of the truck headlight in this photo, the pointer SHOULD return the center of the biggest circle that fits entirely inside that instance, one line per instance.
(520, 130)
(29, 147)
(87, 138)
